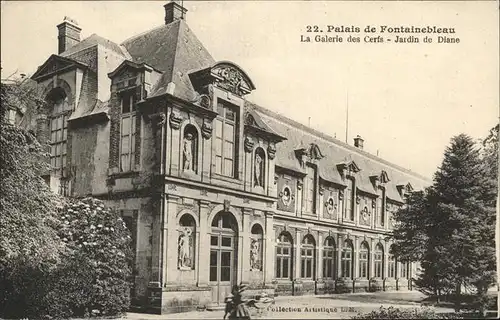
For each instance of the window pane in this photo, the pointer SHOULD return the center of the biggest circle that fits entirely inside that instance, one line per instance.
(225, 274)
(58, 162)
(132, 144)
(125, 145)
(220, 109)
(125, 103)
(228, 132)
(278, 267)
(125, 126)
(225, 258)
(125, 163)
(214, 240)
(53, 150)
(228, 150)
(218, 164)
(226, 241)
(63, 161)
(218, 147)
(230, 115)
(285, 268)
(63, 148)
(218, 128)
(228, 167)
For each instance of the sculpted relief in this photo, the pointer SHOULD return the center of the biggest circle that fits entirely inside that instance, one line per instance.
(185, 249)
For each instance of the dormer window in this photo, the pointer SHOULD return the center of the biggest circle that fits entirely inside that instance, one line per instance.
(349, 199)
(128, 131)
(57, 98)
(310, 190)
(226, 128)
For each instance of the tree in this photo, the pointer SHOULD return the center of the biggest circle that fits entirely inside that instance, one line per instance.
(29, 246)
(451, 226)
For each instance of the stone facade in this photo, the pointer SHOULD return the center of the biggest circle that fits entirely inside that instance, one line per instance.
(217, 190)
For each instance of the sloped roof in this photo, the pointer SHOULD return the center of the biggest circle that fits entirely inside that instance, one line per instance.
(174, 50)
(94, 40)
(335, 152)
(99, 107)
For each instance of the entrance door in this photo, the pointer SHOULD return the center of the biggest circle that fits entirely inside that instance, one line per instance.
(223, 256)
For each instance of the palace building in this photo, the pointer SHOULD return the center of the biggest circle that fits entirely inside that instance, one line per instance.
(216, 190)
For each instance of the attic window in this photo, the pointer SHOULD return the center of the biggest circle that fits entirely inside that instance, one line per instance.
(126, 83)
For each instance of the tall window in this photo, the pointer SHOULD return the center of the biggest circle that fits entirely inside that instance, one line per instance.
(364, 260)
(284, 257)
(381, 206)
(309, 190)
(391, 266)
(404, 270)
(58, 128)
(225, 139)
(346, 260)
(379, 261)
(329, 258)
(349, 203)
(127, 132)
(307, 258)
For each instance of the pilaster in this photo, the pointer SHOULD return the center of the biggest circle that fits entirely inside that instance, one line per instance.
(319, 258)
(175, 149)
(371, 267)
(203, 264)
(340, 242)
(170, 234)
(356, 257)
(269, 243)
(296, 247)
(245, 252)
(157, 243)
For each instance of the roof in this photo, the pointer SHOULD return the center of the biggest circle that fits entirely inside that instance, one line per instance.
(335, 152)
(98, 108)
(175, 51)
(94, 40)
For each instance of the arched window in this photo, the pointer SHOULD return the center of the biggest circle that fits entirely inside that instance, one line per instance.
(379, 261)
(186, 242)
(391, 265)
(190, 149)
(347, 260)
(57, 98)
(256, 247)
(364, 260)
(329, 258)
(307, 257)
(259, 168)
(223, 248)
(284, 256)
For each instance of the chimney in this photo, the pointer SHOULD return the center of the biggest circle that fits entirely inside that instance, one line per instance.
(358, 142)
(174, 12)
(69, 34)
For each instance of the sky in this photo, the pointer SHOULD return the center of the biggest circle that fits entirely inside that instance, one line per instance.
(406, 100)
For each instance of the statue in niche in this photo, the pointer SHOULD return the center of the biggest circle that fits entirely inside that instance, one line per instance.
(184, 249)
(365, 214)
(259, 169)
(254, 255)
(188, 152)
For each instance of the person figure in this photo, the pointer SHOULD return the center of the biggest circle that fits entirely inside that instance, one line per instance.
(254, 253)
(184, 248)
(258, 178)
(188, 152)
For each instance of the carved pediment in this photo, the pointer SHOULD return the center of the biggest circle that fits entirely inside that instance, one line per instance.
(404, 190)
(379, 179)
(224, 75)
(309, 153)
(55, 64)
(348, 167)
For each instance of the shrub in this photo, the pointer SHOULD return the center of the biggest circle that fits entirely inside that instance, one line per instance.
(95, 275)
(395, 313)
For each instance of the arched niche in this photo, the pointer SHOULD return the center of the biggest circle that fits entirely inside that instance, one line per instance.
(190, 148)
(186, 242)
(256, 247)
